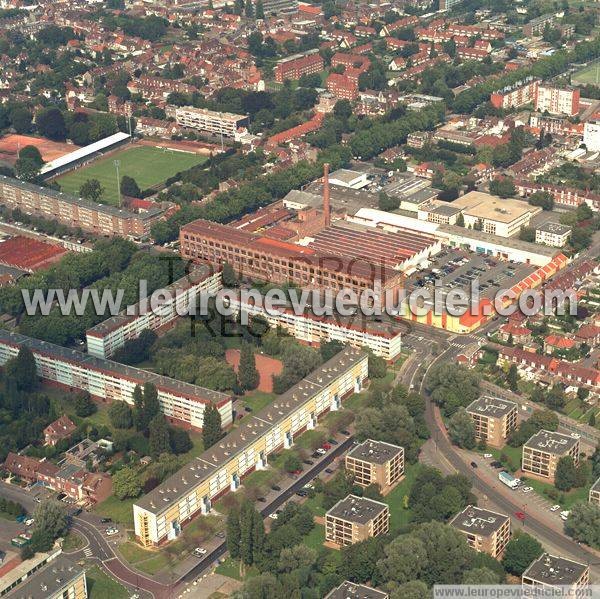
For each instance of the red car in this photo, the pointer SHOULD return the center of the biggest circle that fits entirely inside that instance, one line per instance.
(326, 446)
(297, 472)
(520, 515)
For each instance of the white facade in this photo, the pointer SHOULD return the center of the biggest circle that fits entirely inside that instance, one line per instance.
(553, 234)
(314, 330)
(557, 100)
(591, 136)
(217, 123)
(110, 381)
(108, 336)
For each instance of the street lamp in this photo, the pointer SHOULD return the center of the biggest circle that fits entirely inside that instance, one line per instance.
(117, 164)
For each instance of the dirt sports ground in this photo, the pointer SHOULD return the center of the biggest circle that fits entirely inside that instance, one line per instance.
(50, 150)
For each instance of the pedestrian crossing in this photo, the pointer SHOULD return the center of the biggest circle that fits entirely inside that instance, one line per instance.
(88, 552)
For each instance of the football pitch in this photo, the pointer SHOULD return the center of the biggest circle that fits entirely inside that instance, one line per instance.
(588, 75)
(146, 164)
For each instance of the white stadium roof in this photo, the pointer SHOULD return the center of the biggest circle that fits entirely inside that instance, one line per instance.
(97, 146)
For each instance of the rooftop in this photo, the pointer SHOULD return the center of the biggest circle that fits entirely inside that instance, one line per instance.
(596, 486)
(477, 520)
(358, 510)
(351, 590)
(375, 452)
(48, 581)
(555, 228)
(85, 361)
(346, 175)
(486, 206)
(552, 570)
(551, 442)
(250, 428)
(491, 406)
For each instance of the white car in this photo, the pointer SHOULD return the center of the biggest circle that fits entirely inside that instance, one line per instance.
(527, 489)
(274, 516)
(320, 451)
(111, 531)
(487, 456)
(308, 486)
(564, 515)
(199, 551)
(555, 508)
(28, 522)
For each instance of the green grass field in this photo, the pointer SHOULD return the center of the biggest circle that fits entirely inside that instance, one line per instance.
(149, 166)
(589, 74)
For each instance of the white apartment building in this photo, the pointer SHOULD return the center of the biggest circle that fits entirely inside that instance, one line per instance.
(591, 136)
(182, 403)
(383, 340)
(557, 100)
(210, 121)
(172, 301)
(160, 515)
(553, 234)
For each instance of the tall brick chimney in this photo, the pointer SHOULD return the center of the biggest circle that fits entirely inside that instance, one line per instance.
(326, 206)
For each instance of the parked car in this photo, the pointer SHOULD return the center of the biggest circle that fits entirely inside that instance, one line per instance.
(301, 493)
(106, 520)
(247, 409)
(564, 515)
(28, 522)
(487, 456)
(328, 470)
(555, 508)
(326, 446)
(315, 454)
(527, 489)
(345, 433)
(262, 500)
(308, 462)
(473, 465)
(496, 464)
(275, 488)
(332, 441)
(275, 515)
(520, 515)
(111, 531)
(320, 451)
(199, 551)
(220, 534)
(308, 486)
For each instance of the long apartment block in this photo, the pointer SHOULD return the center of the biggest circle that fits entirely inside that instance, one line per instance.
(110, 335)
(210, 121)
(355, 519)
(182, 403)
(543, 451)
(494, 419)
(486, 531)
(99, 219)
(376, 462)
(383, 339)
(160, 515)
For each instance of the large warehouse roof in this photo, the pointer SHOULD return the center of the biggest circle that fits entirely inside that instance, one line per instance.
(80, 153)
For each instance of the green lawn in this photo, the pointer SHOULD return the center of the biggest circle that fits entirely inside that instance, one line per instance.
(133, 553)
(120, 511)
(149, 166)
(258, 400)
(589, 74)
(101, 586)
(513, 453)
(72, 542)
(566, 500)
(315, 538)
(400, 517)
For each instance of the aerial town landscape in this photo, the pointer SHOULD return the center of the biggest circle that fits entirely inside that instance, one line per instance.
(299, 299)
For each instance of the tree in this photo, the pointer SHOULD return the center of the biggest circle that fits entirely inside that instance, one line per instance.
(404, 560)
(481, 576)
(359, 561)
(211, 427)
(291, 462)
(260, 10)
(159, 436)
(377, 366)
(151, 403)
(233, 532)
(513, 378)
(414, 589)
(543, 199)
(238, 7)
(504, 187)
(51, 124)
(583, 524)
(138, 409)
(120, 415)
(460, 220)
(26, 169)
(91, 190)
(84, 406)
(565, 476)
(228, 276)
(21, 369)
(20, 119)
(461, 429)
(129, 187)
(298, 556)
(263, 586)
(520, 551)
(388, 203)
(249, 9)
(126, 482)
(343, 109)
(179, 440)
(31, 153)
(50, 520)
(248, 375)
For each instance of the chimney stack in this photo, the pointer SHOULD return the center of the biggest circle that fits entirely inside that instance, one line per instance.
(326, 206)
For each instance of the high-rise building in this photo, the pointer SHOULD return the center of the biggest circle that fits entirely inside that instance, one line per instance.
(486, 531)
(557, 100)
(494, 419)
(376, 462)
(552, 572)
(543, 451)
(280, 7)
(591, 136)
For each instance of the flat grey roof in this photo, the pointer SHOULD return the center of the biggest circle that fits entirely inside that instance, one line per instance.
(65, 197)
(346, 175)
(551, 442)
(553, 570)
(199, 273)
(445, 210)
(129, 372)
(556, 228)
(358, 510)
(48, 580)
(511, 242)
(375, 452)
(478, 521)
(495, 407)
(250, 428)
(351, 590)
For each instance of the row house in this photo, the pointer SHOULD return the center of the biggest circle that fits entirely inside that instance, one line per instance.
(296, 67)
(158, 87)
(565, 196)
(404, 23)
(532, 161)
(61, 428)
(466, 53)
